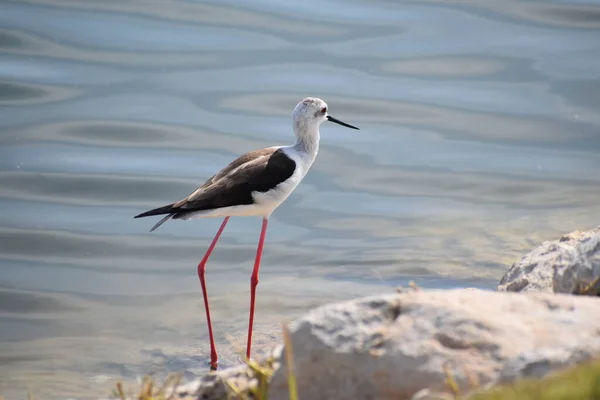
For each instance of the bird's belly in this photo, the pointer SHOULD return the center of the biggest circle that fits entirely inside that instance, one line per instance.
(264, 204)
(244, 210)
(271, 199)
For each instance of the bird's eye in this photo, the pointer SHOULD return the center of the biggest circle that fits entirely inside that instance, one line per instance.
(323, 110)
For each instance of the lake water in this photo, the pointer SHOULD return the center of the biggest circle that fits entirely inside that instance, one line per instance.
(480, 138)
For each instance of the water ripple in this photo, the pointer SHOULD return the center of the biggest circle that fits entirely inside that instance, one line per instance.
(15, 93)
(479, 140)
(149, 34)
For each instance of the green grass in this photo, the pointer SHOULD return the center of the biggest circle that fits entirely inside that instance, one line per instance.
(289, 356)
(578, 383)
(148, 389)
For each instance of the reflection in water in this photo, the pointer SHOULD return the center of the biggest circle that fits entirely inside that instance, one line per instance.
(12, 94)
(478, 141)
(444, 67)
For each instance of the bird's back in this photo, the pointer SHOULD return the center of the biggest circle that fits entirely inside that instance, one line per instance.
(237, 185)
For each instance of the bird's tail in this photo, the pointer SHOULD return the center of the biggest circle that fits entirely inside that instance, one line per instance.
(162, 221)
(168, 209)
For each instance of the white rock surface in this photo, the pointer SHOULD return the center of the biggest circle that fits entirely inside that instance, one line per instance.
(568, 265)
(393, 346)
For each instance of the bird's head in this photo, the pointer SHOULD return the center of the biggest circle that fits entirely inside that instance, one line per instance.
(310, 113)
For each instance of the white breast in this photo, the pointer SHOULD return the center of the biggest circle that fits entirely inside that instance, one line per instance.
(270, 200)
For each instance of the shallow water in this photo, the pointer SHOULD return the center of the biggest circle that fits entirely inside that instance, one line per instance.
(479, 139)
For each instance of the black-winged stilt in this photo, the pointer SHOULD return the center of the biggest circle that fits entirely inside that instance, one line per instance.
(254, 184)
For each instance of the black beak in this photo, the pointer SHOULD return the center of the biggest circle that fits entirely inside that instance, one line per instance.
(337, 121)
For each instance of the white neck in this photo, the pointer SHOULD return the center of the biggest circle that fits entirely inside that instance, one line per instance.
(307, 141)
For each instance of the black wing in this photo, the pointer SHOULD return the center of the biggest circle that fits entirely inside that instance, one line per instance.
(256, 171)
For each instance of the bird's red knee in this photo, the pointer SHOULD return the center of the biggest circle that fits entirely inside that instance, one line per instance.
(201, 270)
(254, 280)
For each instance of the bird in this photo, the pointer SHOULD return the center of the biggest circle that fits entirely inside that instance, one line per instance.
(254, 184)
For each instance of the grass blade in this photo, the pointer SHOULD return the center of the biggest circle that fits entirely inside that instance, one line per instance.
(289, 357)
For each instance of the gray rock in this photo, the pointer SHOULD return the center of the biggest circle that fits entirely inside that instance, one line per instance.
(218, 385)
(391, 347)
(394, 346)
(568, 265)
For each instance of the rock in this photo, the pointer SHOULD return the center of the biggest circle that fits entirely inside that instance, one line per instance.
(568, 265)
(394, 346)
(214, 387)
(391, 347)
(427, 394)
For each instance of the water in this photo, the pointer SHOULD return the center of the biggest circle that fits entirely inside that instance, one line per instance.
(479, 139)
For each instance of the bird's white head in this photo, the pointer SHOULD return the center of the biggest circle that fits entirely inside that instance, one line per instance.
(308, 115)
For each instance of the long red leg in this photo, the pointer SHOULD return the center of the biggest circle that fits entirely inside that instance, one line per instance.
(214, 360)
(254, 282)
